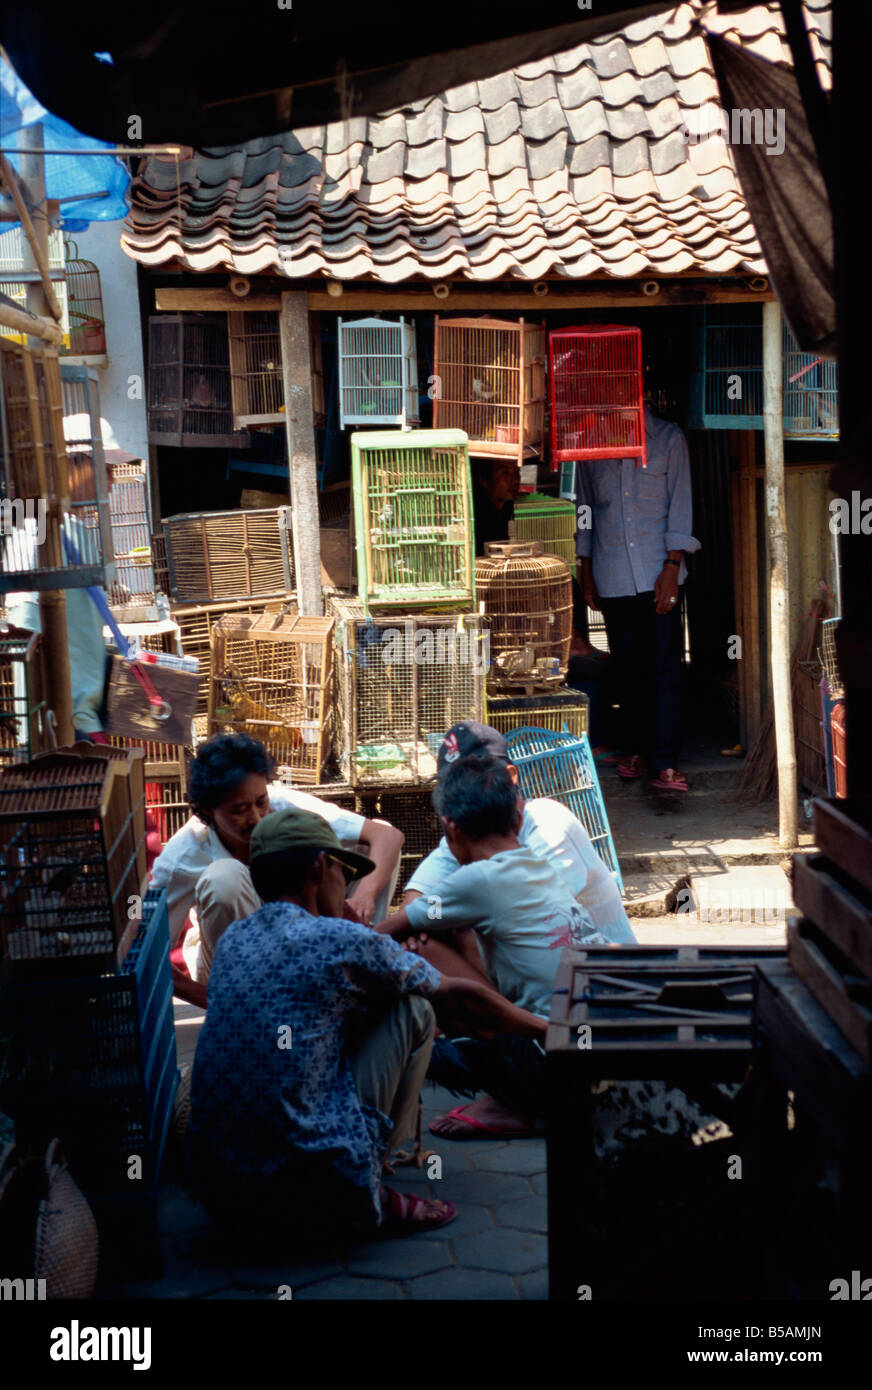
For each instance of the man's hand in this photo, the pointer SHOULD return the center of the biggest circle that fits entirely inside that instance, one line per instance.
(666, 589)
(363, 903)
(588, 586)
(351, 913)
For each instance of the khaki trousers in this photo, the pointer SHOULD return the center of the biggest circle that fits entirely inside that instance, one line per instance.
(390, 1062)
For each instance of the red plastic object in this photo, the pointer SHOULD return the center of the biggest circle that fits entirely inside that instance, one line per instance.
(840, 755)
(597, 408)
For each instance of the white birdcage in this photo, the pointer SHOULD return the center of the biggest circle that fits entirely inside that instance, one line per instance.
(378, 373)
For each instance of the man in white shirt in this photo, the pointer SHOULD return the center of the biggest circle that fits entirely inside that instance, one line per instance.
(204, 867)
(548, 828)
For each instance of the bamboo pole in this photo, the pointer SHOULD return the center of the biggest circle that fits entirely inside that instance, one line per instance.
(37, 240)
(779, 590)
(302, 460)
(34, 326)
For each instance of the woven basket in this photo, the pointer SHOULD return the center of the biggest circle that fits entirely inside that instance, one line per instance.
(52, 1228)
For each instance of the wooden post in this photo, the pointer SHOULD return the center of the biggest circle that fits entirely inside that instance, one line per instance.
(52, 602)
(779, 619)
(302, 461)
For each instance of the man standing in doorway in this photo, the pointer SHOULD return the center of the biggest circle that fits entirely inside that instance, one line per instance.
(633, 567)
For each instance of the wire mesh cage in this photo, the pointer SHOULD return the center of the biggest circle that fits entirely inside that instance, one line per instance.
(49, 538)
(490, 383)
(91, 527)
(272, 678)
(727, 383)
(255, 369)
(597, 406)
(549, 520)
(413, 518)
(85, 305)
(527, 603)
(23, 705)
(828, 656)
(378, 372)
(559, 710)
(229, 555)
(561, 766)
(401, 682)
(72, 854)
(411, 810)
(810, 391)
(189, 398)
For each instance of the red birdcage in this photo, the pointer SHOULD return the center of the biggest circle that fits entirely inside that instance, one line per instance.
(597, 410)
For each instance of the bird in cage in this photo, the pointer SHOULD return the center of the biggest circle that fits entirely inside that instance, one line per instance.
(202, 394)
(480, 391)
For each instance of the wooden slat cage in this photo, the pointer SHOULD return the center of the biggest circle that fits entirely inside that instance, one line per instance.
(550, 520)
(131, 538)
(401, 682)
(597, 407)
(23, 705)
(72, 852)
(413, 518)
(378, 373)
(490, 382)
(189, 399)
(195, 634)
(255, 369)
(556, 710)
(527, 599)
(229, 555)
(272, 678)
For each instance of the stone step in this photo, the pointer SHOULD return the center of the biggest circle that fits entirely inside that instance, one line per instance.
(649, 894)
(712, 859)
(745, 893)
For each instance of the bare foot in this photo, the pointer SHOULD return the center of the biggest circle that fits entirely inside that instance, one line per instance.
(481, 1119)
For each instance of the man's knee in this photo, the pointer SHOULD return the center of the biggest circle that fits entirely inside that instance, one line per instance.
(423, 1017)
(224, 881)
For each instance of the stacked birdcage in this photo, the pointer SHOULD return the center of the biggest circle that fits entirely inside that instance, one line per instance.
(255, 369)
(402, 681)
(272, 678)
(727, 384)
(597, 407)
(378, 373)
(550, 520)
(72, 859)
(413, 519)
(558, 710)
(131, 540)
(810, 391)
(527, 602)
(490, 383)
(23, 705)
(229, 555)
(196, 622)
(189, 398)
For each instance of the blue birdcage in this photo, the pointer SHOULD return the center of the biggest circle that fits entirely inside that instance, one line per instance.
(561, 766)
(810, 392)
(727, 384)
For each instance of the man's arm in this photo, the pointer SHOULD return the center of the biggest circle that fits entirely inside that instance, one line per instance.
(385, 843)
(484, 1010)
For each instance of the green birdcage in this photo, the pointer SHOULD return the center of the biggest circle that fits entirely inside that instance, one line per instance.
(550, 520)
(413, 519)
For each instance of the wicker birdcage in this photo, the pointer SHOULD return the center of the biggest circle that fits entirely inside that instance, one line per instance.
(72, 855)
(490, 382)
(557, 710)
(527, 599)
(48, 540)
(229, 555)
(85, 303)
(189, 400)
(23, 705)
(272, 678)
(810, 392)
(597, 407)
(413, 519)
(402, 681)
(256, 369)
(550, 520)
(378, 373)
(195, 633)
(727, 384)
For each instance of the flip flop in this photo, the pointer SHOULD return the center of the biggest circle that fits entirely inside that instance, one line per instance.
(399, 1214)
(477, 1128)
(605, 757)
(631, 768)
(670, 780)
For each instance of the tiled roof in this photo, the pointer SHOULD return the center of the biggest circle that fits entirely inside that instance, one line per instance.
(574, 165)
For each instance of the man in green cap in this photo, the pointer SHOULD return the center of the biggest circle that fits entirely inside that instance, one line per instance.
(315, 1046)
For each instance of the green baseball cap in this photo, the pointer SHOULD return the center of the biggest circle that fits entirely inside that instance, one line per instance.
(293, 829)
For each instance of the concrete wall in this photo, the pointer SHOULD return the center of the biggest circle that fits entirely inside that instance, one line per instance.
(101, 243)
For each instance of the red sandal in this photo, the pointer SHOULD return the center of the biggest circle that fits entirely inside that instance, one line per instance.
(669, 780)
(631, 768)
(401, 1213)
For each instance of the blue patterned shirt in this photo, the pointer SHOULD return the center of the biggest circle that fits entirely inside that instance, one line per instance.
(272, 1088)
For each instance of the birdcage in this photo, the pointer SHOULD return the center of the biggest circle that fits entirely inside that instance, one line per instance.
(195, 634)
(272, 678)
(189, 398)
(166, 796)
(727, 383)
(49, 537)
(559, 710)
(378, 372)
(411, 810)
(72, 856)
(256, 369)
(229, 555)
(527, 603)
(23, 706)
(413, 519)
(490, 383)
(561, 767)
(810, 392)
(85, 302)
(828, 657)
(131, 538)
(159, 563)
(14, 255)
(597, 406)
(550, 520)
(402, 681)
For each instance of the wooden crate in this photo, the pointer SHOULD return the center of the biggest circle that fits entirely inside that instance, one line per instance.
(843, 832)
(834, 981)
(839, 905)
(214, 556)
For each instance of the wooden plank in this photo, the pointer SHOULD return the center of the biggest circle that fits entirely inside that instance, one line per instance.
(751, 652)
(843, 915)
(843, 831)
(739, 600)
(302, 458)
(816, 964)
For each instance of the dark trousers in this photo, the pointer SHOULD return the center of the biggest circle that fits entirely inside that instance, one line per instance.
(509, 1068)
(645, 648)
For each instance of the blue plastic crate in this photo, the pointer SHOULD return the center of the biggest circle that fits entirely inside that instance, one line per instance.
(562, 768)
